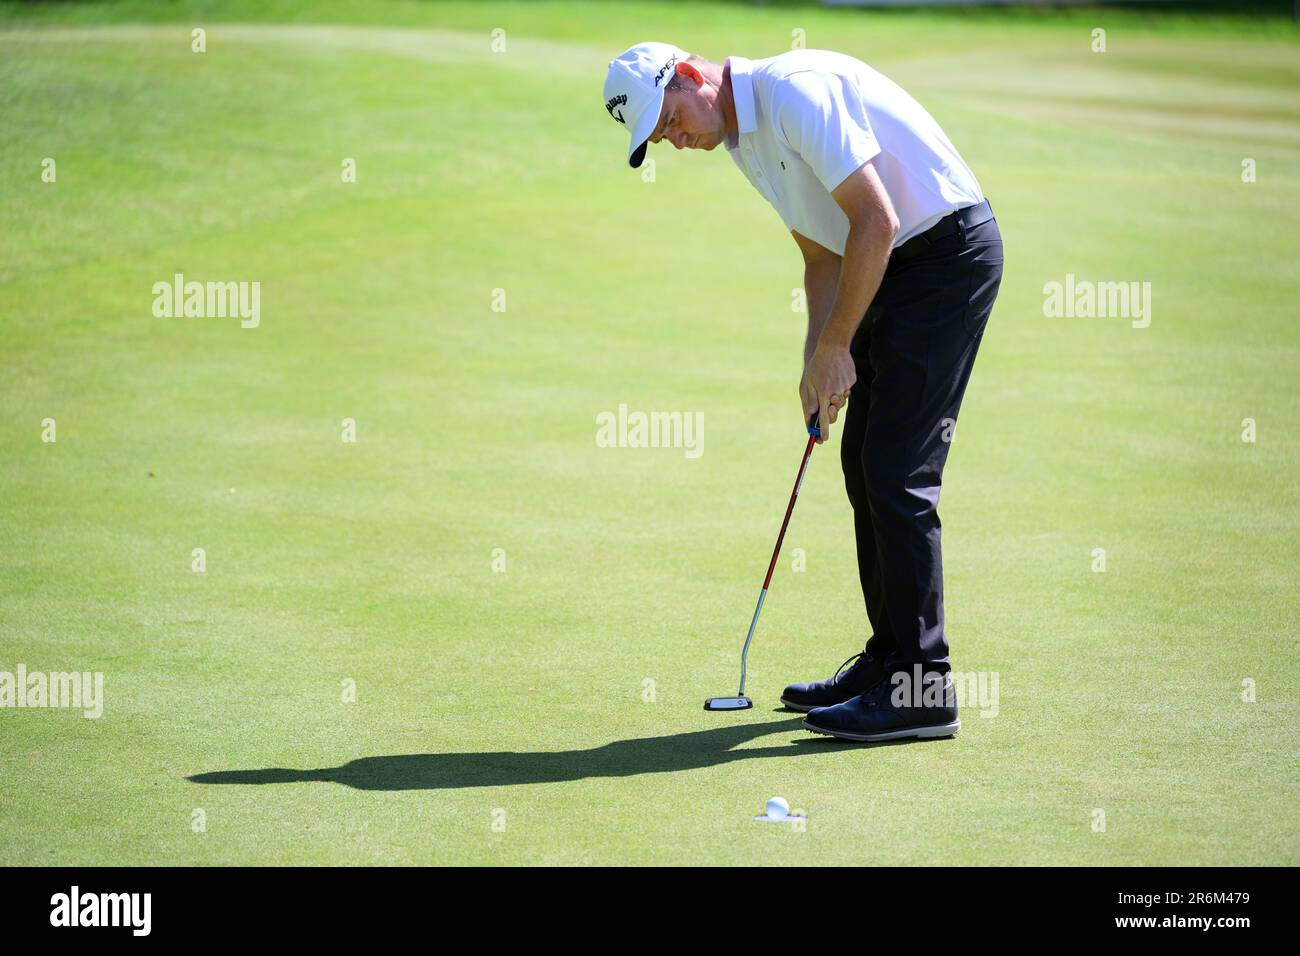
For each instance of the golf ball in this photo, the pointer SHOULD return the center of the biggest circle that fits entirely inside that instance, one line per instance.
(777, 808)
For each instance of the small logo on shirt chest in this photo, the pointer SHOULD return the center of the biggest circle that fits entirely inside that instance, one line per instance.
(783, 164)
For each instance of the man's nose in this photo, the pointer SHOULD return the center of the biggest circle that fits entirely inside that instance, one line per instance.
(679, 140)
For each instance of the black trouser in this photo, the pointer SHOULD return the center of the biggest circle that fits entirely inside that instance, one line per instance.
(913, 352)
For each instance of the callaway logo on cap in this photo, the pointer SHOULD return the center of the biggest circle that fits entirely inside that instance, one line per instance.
(634, 91)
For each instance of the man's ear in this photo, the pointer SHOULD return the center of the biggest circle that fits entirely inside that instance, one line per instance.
(691, 73)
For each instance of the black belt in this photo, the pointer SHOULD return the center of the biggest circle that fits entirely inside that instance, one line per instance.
(949, 225)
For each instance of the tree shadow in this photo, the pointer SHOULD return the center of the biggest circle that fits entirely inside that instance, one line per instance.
(619, 758)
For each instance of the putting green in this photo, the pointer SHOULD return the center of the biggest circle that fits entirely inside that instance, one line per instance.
(474, 635)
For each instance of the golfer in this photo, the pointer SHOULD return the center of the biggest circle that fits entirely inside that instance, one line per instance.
(902, 261)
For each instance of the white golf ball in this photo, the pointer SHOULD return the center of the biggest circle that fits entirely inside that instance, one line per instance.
(777, 808)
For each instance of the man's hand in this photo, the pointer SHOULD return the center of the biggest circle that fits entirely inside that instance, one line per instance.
(827, 379)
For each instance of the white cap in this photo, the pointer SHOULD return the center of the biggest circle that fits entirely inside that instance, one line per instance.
(634, 91)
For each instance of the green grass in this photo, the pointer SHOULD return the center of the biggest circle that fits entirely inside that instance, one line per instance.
(522, 690)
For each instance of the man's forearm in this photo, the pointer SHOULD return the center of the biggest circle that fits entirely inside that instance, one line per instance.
(820, 282)
(866, 254)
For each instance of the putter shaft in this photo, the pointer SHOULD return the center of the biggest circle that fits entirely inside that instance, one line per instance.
(785, 523)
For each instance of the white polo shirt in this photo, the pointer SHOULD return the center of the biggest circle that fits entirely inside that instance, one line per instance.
(809, 118)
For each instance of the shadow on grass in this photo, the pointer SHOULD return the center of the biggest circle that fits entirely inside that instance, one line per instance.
(621, 758)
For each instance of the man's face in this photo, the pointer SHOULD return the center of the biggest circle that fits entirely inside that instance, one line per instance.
(690, 117)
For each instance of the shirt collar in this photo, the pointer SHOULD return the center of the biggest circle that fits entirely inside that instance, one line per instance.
(742, 95)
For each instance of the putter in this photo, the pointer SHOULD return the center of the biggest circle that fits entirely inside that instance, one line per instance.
(740, 701)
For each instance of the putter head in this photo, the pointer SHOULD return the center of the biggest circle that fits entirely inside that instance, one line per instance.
(728, 703)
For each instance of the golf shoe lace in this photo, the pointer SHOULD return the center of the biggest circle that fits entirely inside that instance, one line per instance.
(851, 661)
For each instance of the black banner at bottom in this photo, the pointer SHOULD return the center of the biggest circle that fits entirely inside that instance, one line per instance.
(335, 905)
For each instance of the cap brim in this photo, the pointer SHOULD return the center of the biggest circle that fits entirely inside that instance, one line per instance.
(641, 132)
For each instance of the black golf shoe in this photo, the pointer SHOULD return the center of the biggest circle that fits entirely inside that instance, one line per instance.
(848, 682)
(894, 709)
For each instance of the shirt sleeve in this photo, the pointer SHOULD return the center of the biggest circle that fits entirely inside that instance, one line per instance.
(822, 119)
